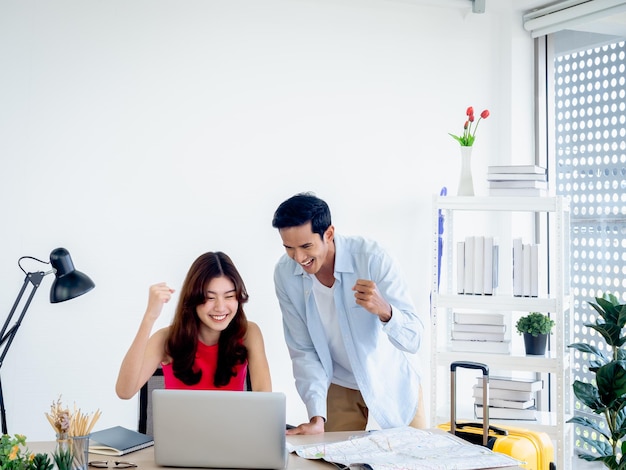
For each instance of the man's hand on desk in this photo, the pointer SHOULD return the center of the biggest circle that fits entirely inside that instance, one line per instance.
(315, 426)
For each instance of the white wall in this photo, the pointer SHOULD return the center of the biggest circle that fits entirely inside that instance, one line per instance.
(139, 134)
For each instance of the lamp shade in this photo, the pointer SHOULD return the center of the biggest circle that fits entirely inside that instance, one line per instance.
(68, 283)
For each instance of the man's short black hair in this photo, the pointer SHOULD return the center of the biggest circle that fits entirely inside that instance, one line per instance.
(303, 208)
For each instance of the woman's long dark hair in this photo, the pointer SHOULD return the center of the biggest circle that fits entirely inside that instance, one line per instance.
(182, 341)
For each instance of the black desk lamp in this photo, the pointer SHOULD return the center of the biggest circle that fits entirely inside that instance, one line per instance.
(68, 283)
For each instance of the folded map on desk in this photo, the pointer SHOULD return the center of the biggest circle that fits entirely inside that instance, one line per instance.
(406, 448)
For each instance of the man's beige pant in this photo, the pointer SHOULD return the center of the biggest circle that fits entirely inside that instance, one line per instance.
(347, 411)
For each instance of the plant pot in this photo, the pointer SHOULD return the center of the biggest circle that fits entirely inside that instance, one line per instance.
(535, 345)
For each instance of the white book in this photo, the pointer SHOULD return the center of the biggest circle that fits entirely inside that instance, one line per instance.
(488, 266)
(534, 270)
(515, 177)
(531, 192)
(496, 260)
(525, 270)
(468, 275)
(473, 318)
(517, 267)
(512, 383)
(519, 184)
(479, 254)
(501, 403)
(478, 327)
(516, 169)
(496, 347)
(477, 336)
(460, 267)
(504, 394)
(528, 414)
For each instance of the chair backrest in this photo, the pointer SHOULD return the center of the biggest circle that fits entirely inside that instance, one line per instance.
(145, 398)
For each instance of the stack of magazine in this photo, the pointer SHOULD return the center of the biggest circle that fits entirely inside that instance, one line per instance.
(479, 332)
(517, 180)
(509, 398)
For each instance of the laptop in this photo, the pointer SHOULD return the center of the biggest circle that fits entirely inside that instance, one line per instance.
(219, 429)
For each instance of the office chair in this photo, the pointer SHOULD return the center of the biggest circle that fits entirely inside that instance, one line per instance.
(145, 399)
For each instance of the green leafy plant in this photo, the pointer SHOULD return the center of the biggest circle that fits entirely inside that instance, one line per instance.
(14, 455)
(535, 323)
(606, 395)
(63, 458)
(466, 139)
(42, 462)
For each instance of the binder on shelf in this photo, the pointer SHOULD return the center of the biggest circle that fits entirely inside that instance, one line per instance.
(469, 265)
(518, 268)
(526, 270)
(488, 268)
(460, 267)
(479, 259)
(534, 270)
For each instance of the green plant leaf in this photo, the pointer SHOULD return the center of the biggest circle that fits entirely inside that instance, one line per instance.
(610, 332)
(603, 448)
(589, 395)
(590, 349)
(588, 423)
(611, 382)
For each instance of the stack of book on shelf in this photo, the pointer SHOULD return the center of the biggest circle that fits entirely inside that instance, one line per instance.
(477, 265)
(517, 180)
(479, 332)
(509, 398)
(525, 269)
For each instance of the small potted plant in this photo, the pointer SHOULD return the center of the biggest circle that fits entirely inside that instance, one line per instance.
(535, 327)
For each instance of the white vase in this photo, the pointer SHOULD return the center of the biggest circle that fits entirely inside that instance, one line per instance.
(466, 183)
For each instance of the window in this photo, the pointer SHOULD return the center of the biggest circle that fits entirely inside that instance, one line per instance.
(589, 166)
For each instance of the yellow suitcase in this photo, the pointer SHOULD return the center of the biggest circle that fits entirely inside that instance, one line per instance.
(534, 449)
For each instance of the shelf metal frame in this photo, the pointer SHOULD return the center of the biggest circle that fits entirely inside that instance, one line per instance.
(557, 363)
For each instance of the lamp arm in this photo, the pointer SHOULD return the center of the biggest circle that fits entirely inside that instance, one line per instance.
(7, 336)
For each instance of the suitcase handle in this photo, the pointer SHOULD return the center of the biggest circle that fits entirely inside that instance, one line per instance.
(485, 369)
(470, 365)
(495, 429)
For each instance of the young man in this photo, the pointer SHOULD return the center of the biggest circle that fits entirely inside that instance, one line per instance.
(348, 321)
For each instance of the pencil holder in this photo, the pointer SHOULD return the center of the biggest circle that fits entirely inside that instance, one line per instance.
(80, 449)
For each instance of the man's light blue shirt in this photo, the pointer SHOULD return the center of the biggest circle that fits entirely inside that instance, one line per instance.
(377, 351)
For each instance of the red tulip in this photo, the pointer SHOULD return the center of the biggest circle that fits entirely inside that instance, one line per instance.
(469, 128)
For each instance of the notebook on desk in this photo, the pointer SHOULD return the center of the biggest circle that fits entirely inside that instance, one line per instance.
(219, 429)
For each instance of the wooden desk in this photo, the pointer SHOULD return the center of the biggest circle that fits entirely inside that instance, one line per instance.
(144, 458)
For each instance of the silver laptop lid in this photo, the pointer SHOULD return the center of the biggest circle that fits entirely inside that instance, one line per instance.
(219, 429)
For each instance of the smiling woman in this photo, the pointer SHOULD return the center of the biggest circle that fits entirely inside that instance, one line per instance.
(210, 343)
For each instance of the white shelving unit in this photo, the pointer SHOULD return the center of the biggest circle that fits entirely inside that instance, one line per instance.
(552, 215)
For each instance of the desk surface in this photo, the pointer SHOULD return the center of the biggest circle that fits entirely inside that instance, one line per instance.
(144, 458)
